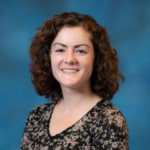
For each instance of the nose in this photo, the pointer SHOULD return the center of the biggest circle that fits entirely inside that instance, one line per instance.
(70, 58)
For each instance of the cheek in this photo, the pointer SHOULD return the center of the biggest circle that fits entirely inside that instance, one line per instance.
(55, 61)
(88, 65)
(90, 60)
(52, 63)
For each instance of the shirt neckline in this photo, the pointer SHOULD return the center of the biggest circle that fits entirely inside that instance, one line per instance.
(65, 130)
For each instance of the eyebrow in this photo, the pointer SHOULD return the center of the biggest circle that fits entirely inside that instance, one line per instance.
(76, 46)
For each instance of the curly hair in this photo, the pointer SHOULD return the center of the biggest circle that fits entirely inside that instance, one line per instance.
(105, 75)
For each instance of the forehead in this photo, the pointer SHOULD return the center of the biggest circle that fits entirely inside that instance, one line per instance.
(72, 35)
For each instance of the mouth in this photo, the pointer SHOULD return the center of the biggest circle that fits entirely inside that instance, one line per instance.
(69, 70)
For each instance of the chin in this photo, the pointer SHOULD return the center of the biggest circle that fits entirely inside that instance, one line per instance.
(69, 85)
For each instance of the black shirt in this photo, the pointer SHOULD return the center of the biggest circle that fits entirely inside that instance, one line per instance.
(101, 128)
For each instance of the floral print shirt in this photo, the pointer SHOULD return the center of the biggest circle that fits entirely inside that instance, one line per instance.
(101, 128)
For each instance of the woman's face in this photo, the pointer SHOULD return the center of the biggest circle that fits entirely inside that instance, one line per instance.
(72, 57)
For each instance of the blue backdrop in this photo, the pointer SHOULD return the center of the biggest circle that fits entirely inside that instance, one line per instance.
(128, 26)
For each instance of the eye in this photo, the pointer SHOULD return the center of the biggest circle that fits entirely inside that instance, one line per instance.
(81, 51)
(59, 50)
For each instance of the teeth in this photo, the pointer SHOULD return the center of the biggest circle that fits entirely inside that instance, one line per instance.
(69, 71)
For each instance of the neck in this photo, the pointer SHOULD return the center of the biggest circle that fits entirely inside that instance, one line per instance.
(77, 99)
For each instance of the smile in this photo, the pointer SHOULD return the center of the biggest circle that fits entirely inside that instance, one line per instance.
(69, 70)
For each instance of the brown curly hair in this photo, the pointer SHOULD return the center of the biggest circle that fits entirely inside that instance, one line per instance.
(105, 75)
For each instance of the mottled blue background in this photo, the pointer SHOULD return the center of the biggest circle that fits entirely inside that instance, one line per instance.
(128, 26)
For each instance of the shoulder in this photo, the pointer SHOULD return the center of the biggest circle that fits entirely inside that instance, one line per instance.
(110, 118)
(40, 110)
(110, 128)
(110, 113)
(113, 115)
(42, 107)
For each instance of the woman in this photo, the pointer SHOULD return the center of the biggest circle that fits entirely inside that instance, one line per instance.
(74, 65)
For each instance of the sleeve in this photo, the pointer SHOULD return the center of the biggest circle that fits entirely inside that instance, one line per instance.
(26, 141)
(111, 133)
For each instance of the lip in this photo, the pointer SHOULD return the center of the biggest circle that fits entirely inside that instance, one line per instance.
(70, 69)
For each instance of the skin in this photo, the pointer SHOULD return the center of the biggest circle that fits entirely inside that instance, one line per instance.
(72, 48)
